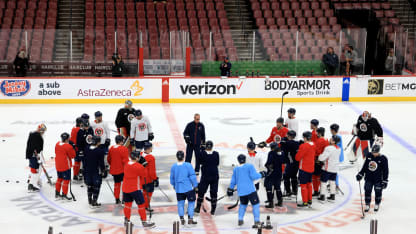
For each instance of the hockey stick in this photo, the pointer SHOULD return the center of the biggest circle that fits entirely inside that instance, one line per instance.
(109, 186)
(222, 197)
(70, 190)
(169, 200)
(47, 175)
(233, 206)
(281, 106)
(361, 200)
(150, 208)
(349, 143)
(339, 189)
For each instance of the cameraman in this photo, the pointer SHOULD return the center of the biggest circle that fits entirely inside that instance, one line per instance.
(118, 66)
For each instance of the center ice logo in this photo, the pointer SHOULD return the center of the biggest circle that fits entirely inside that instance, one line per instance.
(15, 88)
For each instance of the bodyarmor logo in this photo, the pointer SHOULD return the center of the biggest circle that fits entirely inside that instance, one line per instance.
(375, 86)
(363, 127)
(372, 166)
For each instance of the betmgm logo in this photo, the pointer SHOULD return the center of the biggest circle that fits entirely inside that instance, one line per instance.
(375, 86)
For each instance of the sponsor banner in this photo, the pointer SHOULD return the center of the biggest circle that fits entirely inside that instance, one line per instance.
(80, 89)
(375, 87)
(256, 89)
(163, 66)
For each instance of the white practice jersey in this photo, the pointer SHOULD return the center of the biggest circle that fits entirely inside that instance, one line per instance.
(330, 157)
(101, 130)
(140, 129)
(293, 124)
(258, 163)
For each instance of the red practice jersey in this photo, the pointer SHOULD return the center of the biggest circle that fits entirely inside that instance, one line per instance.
(118, 156)
(150, 168)
(134, 173)
(306, 157)
(282, 132)
(314, 136)
(64, 153)
(74, 134)
(320, 145)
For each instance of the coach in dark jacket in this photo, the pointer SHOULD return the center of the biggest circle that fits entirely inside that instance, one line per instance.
(225, 67)
(194, 136)
(330, 60)
(21, 64)
(118, 68)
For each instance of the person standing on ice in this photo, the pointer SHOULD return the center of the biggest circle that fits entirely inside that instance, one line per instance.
(375, 171)
(118, 156)
(243, 177)
(194, 135)
(183, 180)
(334, 131)
(291, 122)
(64, 153)
(141, 131)
(34, 148)
(124, 117)
(365, 129)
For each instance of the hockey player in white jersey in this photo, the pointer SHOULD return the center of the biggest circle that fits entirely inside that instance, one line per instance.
(101, 129)
(291, 122)
(141, 131)
(330, 158)
(256, 160)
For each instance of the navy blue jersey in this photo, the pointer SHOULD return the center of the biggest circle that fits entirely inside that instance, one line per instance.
(82, 138)
(209, 164)
(94, 160)
(274, 163)
(196, 132)
(34, 143)
(367, 129)
(290, 148)
(375, 169)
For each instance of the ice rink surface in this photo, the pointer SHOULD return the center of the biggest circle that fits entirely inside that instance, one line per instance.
(229, 126)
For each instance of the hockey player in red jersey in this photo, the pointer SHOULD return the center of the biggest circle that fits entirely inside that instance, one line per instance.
(278, 130)
(320, 145)
(134, 173)
(306, 158)
(151, 180)
(314, 127)
(118, 156)
(34, 148)
(64, 153)
(74, 131)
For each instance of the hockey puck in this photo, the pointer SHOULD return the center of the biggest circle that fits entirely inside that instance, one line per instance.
(17, 181)
(7, 181)
(82, 186)
(3, 140)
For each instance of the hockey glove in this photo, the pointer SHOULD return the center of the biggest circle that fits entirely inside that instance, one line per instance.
(263, 174)
(81, 153)
(203, 146)
(379, 141)
(143, 161)
(384, 184)
(262, 144)
(187, 139)
(196, 189)
(359, 177)
(72, 144)
(230, 192)
(132, 142)
(107, 142)
(301, 142)
(156, 182)
(104, 174)
(151, 136)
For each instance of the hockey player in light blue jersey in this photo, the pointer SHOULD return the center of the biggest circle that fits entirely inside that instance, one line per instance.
(334, 131)
(183, 180)
(244, 177)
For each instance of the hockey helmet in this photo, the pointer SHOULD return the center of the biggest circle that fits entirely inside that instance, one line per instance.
(64, 136)
(85, 116)
(138, 112)
(375, 149)
(251, 145)
(98, 114)
(209, 145)
(241, 159)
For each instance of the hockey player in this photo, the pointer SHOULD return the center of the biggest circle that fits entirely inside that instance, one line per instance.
(375, 171)
(94, 170)
(141, 131)
(334, 131)
(365, 129)
(306, 158)
(118, 156)
(278, 130)
(124, 117)
(291, 121)
(101, 129)
(75, 130)
(34, 148)
(84, 137)
(194, 135)
(274, 175)
(256, 160)
(290, 148)
(330, 159)
(243, 177)
(320, 145)
(134, 173)
(151, 180)
(314, 127)
(183, 180)
(64, 153)
(210, 160)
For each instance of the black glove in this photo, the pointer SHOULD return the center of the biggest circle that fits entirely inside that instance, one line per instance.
(384, 184)
(203, 146)
(104, 174)
(187, 139)
(72, 144)
(319, 163)
(230, 192)
(81, 153)
(196, 189)
(107, 142)
(132, 142)
(301, 142)
(359, 177)
(151, 136)
(263, 174)
(143, 161)
(262, 144)
(156, 182)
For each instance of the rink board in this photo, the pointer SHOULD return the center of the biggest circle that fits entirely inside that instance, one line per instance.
(159, 89)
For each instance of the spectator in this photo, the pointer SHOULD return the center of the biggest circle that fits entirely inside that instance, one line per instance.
(350, 57)
(21, 63)
(118, 66)
(389, 64)
(330, 60)
(225, 67)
